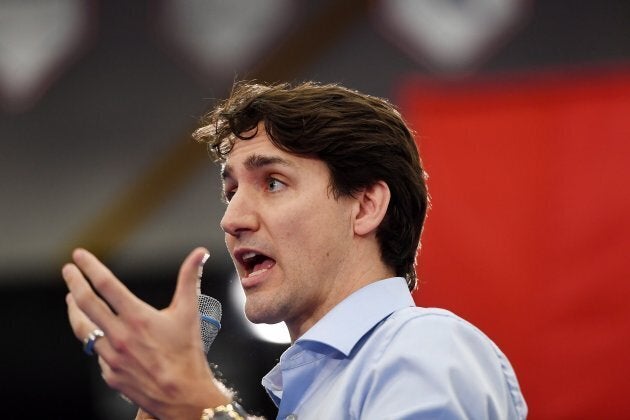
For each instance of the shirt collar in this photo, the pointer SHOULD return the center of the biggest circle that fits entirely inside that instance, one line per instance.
(344, 325)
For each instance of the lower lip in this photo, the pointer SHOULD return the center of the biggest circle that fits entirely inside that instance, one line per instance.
(258, 278)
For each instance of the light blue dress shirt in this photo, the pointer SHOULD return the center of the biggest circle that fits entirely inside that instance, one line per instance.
(378, 356)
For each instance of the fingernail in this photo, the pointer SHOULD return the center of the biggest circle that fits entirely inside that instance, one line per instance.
(201, 264)
(78, 253)
(65, 270)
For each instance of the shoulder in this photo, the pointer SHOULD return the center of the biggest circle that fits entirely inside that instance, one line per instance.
(433, 326)
(446, 358)
(430, 329)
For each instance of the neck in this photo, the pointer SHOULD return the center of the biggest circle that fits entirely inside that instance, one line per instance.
(364, 271)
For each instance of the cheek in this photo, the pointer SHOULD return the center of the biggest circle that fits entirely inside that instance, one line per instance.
(309, 226)
(301, 229)
(325, 227)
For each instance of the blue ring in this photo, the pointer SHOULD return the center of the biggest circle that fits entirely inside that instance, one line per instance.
(88, 346)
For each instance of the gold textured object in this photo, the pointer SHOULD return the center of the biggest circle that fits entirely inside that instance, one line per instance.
(228, 411)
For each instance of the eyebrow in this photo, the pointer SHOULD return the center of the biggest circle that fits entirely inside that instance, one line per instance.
(256, 161)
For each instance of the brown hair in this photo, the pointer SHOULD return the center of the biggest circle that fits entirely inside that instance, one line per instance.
(361, 138)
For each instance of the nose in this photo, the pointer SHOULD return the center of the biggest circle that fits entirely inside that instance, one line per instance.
(240, 215)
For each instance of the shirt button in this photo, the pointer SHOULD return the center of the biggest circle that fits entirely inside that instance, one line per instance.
(291, 417)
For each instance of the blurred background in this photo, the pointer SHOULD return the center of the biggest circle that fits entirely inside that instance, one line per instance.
(522, 110)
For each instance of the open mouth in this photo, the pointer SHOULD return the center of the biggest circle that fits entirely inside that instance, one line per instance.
(256, 263)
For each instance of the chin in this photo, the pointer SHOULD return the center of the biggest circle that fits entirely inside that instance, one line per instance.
(261, 315)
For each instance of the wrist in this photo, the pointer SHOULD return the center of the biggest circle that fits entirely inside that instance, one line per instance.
(217, 395)
(190, 404)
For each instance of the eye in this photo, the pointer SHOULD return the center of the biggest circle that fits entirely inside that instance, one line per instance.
(228, 193)
(274, 185)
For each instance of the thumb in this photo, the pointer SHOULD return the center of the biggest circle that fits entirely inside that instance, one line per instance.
(143, 415)
(185, 297)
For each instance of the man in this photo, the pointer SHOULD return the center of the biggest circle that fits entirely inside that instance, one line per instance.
(326, 199)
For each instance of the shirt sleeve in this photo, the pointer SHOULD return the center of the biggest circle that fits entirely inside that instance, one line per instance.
(438, 366)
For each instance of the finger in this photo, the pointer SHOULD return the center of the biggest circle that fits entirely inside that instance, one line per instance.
(116, 380)
(92, 306)
(82, 326)
(185, 297)
(143, 415)
(104, 281)
(79, 322)
(106, 372)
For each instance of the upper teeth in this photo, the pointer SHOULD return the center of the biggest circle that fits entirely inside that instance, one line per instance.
(248, 255)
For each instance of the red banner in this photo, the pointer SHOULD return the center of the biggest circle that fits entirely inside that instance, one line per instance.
(529, 234)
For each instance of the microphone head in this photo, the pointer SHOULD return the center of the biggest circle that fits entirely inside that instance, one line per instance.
(210, 315)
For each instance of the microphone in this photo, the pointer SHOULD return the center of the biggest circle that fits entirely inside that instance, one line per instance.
(209, 311)
(210, 317)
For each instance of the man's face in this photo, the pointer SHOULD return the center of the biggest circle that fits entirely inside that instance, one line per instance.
(287, 234)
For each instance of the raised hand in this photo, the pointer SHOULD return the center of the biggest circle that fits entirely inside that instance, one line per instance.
(154, 357)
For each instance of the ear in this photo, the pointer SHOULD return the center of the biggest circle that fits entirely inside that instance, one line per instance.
(372, 206)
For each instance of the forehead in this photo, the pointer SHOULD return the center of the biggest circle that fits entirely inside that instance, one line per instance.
(260, 143)
(253, 153)
(259, 153)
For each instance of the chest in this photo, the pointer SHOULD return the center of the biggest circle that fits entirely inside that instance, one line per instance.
(323, 388)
